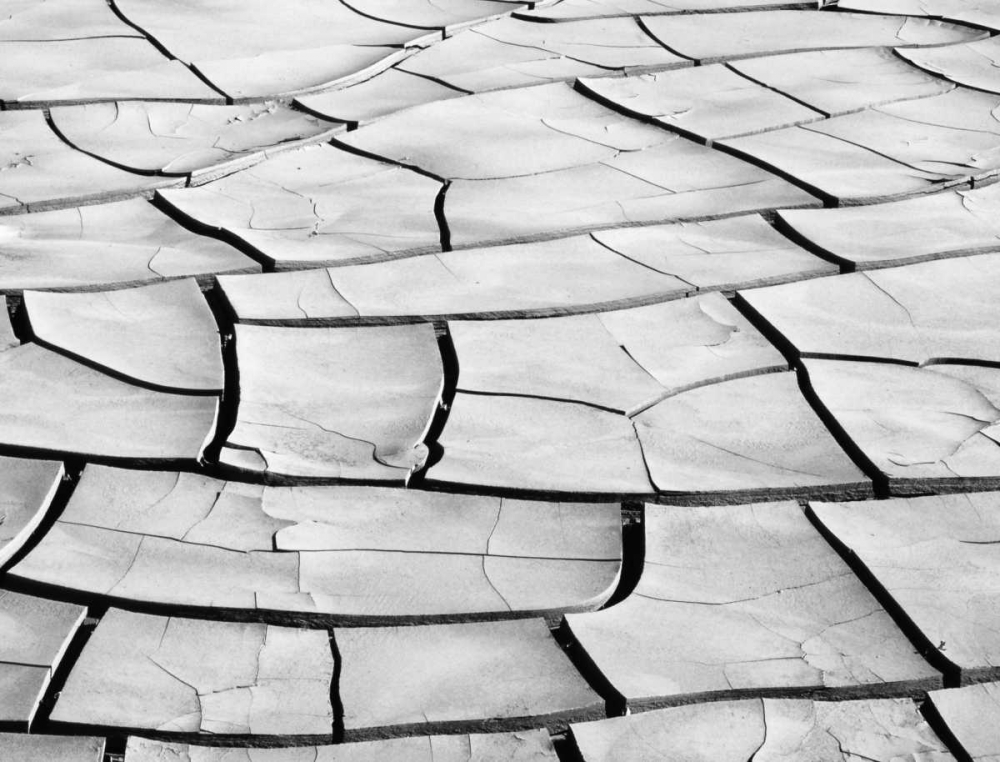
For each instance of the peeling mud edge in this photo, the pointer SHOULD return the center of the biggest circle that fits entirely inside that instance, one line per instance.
(790, 6)
(913, 689)
(60, 675)
(72, 469)
(229, 401)
(487, 490)
(554, 722)
(933, 656)
(942, 486)
(118, 735)
(193, 225)
(93, 199)
(840, 492)
(615, 703)
(205, 282)
(937, 723)
(449, 390)
(879, 481)
(304, 620)
(633, 556)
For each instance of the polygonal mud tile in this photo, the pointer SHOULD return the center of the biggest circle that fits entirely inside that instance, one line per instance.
(319, 205)
(99, 68)
(28, 20)
(8, 338)
(445, 15)
(392, 90)
(34, 636)
(569, 10)
(935, 427)
(506, 134)
(575, 359)
(458, 678)
(536, 279)
(935, 559)
(692, 342)
(678, 180)
(837, 159)
(954, 136)
(532, 445)
(40, 170)
(749, 437)
(52, 403)
(162, 335)
(946, 224)
(186, 139)
(708, 102)
(361, 554)
(26, 491)
(623, 361)
(188, 676)
(841, 81)
(259, 49)
(107, 245)
(350, 403)
(974, 64)
(717, 254)
(880, 730)
(980, 12)
(511, 53)
(749, 599)
(35, 748)
(972, 715)
(720, 37)
(917, 314)
(522, 746)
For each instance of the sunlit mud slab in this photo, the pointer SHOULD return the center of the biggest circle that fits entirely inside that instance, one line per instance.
(748, 600)
(463, 678)
(920, 314)
(338, 554)
(933, 428)
(40, 171)
(521, 746)
(971, 715)
(623, 361)
(34, 636)
(74, 50)
(52, 403)
(26, 491)
(900, 149)
(44, 748)
(196, 141)
(976, 64)
(704, 102)
(980, 12)
(948, 224)
(547, 160)
(126, 243)
(841, 81)
(743, 439)
(932, 559)
(163, 336)
(335, 403)
(191, 677)
(569, 10)
(607, 270)
(728, 36)
(319, 206)
(734, 731)
(258, 49)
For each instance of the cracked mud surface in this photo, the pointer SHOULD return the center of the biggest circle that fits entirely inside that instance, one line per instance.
(524, 380)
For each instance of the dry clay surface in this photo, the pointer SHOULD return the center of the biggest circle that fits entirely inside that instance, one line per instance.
(499, 381)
